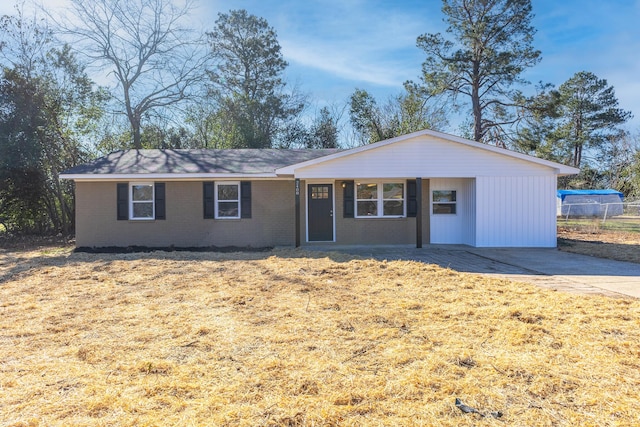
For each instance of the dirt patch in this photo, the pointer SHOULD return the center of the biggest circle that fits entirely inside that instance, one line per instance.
(295, 338)
(139, 249)
(618, 245)
(14, 242)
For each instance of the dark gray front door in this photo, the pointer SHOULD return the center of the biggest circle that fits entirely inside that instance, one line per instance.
(320, 212)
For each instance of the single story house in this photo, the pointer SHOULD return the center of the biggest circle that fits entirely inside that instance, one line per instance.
(595, 203)
(425, 187)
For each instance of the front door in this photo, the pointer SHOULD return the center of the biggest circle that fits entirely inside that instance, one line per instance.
(320, 212)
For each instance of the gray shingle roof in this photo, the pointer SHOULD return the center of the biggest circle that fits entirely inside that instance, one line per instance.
(239, 161)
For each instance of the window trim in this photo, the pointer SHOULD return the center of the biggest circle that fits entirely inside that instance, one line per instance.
(453, 203)
(216, 201)
(134, 202)
(380, 198)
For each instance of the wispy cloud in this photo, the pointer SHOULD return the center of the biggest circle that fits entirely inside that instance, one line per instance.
(340, 62)
(359, 41)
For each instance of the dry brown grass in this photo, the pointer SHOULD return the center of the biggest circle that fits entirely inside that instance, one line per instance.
(290, 338)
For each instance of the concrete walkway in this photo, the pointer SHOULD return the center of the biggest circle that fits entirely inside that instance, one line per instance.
(544, 267)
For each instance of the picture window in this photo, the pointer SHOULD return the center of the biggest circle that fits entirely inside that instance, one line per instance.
(380, 199)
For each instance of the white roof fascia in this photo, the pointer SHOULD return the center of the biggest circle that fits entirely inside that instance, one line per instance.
(559, 168)
(168, 176)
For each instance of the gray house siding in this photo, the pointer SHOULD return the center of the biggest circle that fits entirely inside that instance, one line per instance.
(272, 221)
(504, 198)
(370, 231)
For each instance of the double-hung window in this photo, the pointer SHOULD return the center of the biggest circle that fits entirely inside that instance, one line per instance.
(380, 199)
(227, 200)
(141, 201)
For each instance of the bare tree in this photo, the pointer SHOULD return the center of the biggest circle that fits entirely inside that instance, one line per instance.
(155, 60)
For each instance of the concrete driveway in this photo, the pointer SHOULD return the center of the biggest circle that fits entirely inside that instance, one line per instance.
(544, 267)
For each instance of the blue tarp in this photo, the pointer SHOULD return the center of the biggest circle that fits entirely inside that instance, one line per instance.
(596, 203)
(564, 193)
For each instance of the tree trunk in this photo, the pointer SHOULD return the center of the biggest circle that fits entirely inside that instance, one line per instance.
(475, 102)
(577, 155)
(577, 152)
(135, 129)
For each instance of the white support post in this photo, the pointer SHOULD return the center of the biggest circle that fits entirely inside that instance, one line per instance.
(606, 210)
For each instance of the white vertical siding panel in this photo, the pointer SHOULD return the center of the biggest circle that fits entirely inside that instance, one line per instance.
(519, 227)
(529, 212)
(551, 186)
(488, 209)
(508, 187)
(520, 224)
(537, 219)
(500, 215)
(458, 228)
(529, 194)
(516, 211)
(469, 222)
(515, 215)
(481, 216)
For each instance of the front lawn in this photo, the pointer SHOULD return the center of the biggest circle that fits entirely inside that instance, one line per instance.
(290, 338)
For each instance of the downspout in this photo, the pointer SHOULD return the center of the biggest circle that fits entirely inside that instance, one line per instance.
(419, 213)
(297, 214)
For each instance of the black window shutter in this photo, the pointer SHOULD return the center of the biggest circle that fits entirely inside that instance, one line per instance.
(412, 198)
(348, 197)
(209, 201)
(245, 199)
(161, 212)
(123, 201)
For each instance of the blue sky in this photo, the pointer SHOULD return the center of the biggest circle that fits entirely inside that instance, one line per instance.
(335, 46)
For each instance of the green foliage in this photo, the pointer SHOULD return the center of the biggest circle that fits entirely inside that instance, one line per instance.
(402, 114)
(248, 90)
(620, 166)
(630, 178)
(581, 116)
(167, 137)
(580, 124)
(490, 47)
(204, 124)
(47, 106)
(324, 132)
(588, 116)
(366, 118)
(321, 133)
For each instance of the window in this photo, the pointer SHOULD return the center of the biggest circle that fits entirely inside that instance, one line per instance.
(379, 199)
(444, 202)
(142, 201)
(227, 200)
(320, 192)
(393, 199)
